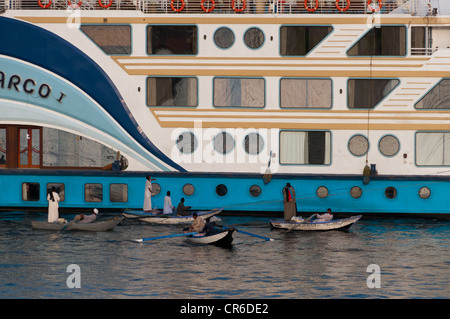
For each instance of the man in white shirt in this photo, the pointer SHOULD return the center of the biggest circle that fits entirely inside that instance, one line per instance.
(324, 217)
(168, 208)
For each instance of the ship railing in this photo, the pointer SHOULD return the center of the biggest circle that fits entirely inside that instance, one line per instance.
(413, 7)
(423, 51)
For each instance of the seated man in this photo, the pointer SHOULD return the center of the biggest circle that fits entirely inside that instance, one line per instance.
(197, 224)
(181, 209)
(209, 227)
(85, 219)
(324, 217)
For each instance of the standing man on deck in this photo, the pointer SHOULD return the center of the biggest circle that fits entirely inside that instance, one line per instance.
(289, 202)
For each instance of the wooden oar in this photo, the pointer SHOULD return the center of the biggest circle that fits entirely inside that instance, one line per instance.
(166, 236)
(259, 236)
(67, 225)
(307, 219)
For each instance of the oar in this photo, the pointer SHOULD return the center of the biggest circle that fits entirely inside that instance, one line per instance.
(307, 219)
(67, 225)
(166, 236)
(259, 236)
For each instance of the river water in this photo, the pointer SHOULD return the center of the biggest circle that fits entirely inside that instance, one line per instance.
(376, 258)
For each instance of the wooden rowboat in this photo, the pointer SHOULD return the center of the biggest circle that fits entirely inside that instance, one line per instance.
(222, 238)
(153, 218)
(336, 224)
(103, 225)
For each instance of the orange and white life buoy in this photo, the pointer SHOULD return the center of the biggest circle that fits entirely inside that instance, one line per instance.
(173, 7)
(44, 6)
(104, 5)
(233, 5)
(213, 5)
(342, 9)
(78, 5)
(311, 9)
(380, 5)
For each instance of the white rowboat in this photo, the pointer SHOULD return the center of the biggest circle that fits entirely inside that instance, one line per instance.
(336, 224)
(167, 219)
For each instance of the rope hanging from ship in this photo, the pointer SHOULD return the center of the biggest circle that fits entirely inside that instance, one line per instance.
(233, 5)
(311, 9)
(340, 8)
(213, 5)
(172, 5)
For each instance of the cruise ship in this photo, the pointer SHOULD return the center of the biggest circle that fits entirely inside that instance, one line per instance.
(223, 102)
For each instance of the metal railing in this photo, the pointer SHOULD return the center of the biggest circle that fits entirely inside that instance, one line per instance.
(414, 7)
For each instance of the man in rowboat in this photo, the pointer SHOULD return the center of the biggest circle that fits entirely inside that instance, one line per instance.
(197, 224)
(324, 217)
(86, 219)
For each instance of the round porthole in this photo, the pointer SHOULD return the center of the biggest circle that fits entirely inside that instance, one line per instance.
(390, 192)
(188, 189)
(356, 192)
(223, 143)
(389, 145)
(358, 145)
(255, 190)
(186, 143)
(221, 190)
(224, 38)
(253, 143)
(424, 192)
(156, 189)
(322, 192)
(254, 38)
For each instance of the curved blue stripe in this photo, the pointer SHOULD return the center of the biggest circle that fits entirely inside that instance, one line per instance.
(33, 44)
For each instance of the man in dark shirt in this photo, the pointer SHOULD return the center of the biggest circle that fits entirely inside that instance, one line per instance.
(181, 209)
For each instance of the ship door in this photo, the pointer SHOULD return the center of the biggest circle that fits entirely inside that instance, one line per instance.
(30, 147)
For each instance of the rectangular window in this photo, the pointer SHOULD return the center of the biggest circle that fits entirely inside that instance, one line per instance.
(436, 98)
(239, 92)
(112, 39)
(306, 93)
(368, 93)
(172, 91)
(2, 147)
(93, 192)
(305, 147)
(30, 191)
(300, 40)
(118, 193)
(433, 148)
(381, 41)
(59, 188)
(172, 39)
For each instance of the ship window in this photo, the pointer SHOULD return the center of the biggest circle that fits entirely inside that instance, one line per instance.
(306, 93)
(112, 39)
(254, 38)
(172, 39)
(93, 192)
(63, 149)
(186, 142)
(358, 145)
(224, 38)
(356, 192)
(188, 189)
(255, 190)
(437, 98)
(381, 41)
(305, 147)
(322, 192)
(30, 191)
(59, 188)
(221, 190)
(156, 189)
(390, 192)
(172, 91)
(253, 143)
(424, 192)
(118, 193)
(389, 145)
(433, 148)
(239, 92)
(223, 143)
(367, 93)
(300, 40)
(2, 147)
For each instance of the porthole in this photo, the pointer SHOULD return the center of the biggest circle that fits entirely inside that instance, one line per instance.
(223, 143)
(156, 189)
(221, 190)
(254, 38)
(356, 192)
(424, 192)
(358, 145)
(389, 145)
(186, 142)
(322, 192)
(188, 189)
(224, 38)
(390, 192)
(255, 190)
(253, 143)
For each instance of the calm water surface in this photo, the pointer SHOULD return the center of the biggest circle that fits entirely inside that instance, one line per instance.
(413, 256)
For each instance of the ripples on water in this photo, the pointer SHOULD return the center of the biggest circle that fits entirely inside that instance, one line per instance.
(413, 256)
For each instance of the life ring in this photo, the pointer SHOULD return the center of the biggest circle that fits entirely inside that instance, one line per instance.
(342, 9)
(103, 5)
(311, 9)
(44, 6)
(173, 7)
(78, 4)
(205, 9)
(233, 5)
(380, 5)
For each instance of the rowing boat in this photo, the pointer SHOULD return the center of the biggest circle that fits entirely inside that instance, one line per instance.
(152, 218)
(103, 225)
(337, 224)
(222, 238)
